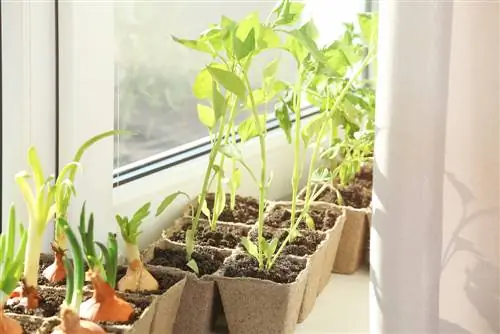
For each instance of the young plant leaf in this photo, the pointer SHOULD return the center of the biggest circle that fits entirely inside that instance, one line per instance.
(189, 243)
(288, 12)
(249, 128)
(271, 69)
(294, 233)
(244, 48)
(368, 23)
(228, 80)
(250, 247)
(218, 102)
(206, 115)
(197, 45)
(270, 248)
(282, 112)
(231, 151)
(167, 201)
(310, 222)
(204, 208)
(202, 87)
(312, 129)
(193, 266)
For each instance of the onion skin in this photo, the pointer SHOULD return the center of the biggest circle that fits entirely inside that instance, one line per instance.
(104, 304)
(137, 278)
(9, 326)
(71, 324)
(55, 272)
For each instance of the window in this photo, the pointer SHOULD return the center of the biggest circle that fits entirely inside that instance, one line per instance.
(79, 68)
(28, 94)
(154, 75)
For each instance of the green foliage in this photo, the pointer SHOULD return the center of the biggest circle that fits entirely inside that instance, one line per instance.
(11, 257)
(75, 275)
(129, 228)
(109, 259)
(86, 231)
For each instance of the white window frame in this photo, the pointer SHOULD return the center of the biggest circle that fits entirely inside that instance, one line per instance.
(86, 91)
(28, 95)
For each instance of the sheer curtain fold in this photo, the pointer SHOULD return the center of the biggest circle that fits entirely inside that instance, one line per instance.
(435, 236)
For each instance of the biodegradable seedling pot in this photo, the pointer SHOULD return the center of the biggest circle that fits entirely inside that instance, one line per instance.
(312, 246)
(200, 302)
(350, 251)
(246, 210)
(328, 219)
(226, 235)
(257, 305)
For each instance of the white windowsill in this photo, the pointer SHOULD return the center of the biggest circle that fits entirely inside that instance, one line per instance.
(342, 307)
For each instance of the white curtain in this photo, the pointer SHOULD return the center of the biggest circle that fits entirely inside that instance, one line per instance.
(435, 236)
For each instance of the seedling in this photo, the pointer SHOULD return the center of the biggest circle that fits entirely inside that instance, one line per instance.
(137, 278)
(104, 305)
(64, 190)
(340, 108)
(70, 321)
(11, 268)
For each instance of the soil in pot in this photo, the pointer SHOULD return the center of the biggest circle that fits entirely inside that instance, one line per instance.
(246, 209)
(323, 219)
(285, 269)
(224, 236)
(305, 244)
(358, 194)
(208, 260)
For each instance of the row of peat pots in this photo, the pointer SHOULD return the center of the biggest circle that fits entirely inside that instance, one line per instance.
(230, 293)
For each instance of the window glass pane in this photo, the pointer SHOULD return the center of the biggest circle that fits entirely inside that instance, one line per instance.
(154, 75)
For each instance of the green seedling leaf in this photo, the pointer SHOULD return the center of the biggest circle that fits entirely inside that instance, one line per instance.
(202, 87)
(228, 80)
(312, 129)
(294, 233)
(204, 208)
(206, 115)
(218, 102)
(220, 201)
(282, 111)
(189, 243)
(368, 23)
(310, 222)
(250, 247)
(244, 48)
(270, 248)
(250, 128)
(288, 12)
(193, 266)
(168, 200)
(198, 45)
(231, 151)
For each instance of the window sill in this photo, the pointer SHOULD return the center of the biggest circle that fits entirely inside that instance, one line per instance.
(342, 307)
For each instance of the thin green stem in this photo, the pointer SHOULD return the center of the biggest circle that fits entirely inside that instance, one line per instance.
(328, 115)
(262, 183)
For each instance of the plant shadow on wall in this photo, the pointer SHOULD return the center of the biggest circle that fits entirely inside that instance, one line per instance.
(481, 285)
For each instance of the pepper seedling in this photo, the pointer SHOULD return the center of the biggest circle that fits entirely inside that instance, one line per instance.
(70, 320)
(137, 278)
(11, 267)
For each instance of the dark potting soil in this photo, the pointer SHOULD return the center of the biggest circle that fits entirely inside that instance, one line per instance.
(224, 236)
(208, 260)
(246, 209)
(165, 280)
(50, 301)
(285, 269)
(323, 219)
(305, 244)
(358, 194)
